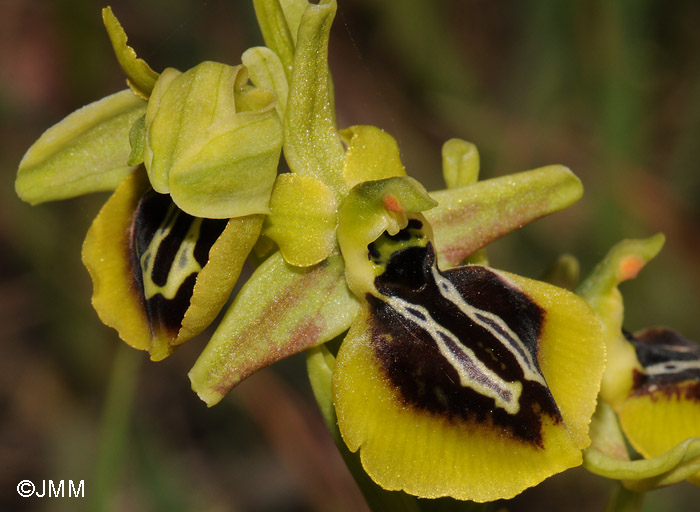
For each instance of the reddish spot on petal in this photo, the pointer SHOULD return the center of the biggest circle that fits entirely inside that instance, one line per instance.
(392, 203)
(630, 267)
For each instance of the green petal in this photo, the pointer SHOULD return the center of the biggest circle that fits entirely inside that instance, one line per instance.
(438, 407)
(460, 163)
(469, 218)
(311, 142)
(280, 311)
(266, 72)
(213, 142)
(302, 219)
(141, 77)
(86, 152)
(370, 209)
(160, 276)
(607, 456)
(600, 290)
(372, 155)
(279, 22)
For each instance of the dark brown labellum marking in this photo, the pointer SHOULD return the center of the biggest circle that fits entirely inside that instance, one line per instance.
(461, 344)
(168, 249)
(671, 363)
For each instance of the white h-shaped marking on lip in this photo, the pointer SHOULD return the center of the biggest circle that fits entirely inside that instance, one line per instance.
(495, 325)
(471, 370)
(673, 366)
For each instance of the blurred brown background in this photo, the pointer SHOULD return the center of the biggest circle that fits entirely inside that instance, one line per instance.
(608, 88)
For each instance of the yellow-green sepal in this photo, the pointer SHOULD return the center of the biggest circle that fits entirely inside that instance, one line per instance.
(119, 291)
(140, 77)
(608, 456)
(403, 447)
(85, 152)
(302, 219)
(281, 310)
(468, 218)
(460, 163)
(312, 144)
(370, 209)
(279, 23)
(372, 155)
(212, 141)
(600, 290)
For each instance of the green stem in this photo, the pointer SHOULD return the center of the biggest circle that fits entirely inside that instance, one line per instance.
(624, 500)
(115, 421)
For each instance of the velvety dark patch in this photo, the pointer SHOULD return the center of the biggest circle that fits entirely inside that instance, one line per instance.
(413, 363)
(664, 348)
(153, 211)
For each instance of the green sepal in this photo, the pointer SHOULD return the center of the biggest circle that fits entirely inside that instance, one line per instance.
(468, 218)
(460, 163)
(140, 77)
(608, 456)
(280, 311)
(311, 141)
(370, 209)
(279, 22)
(372, 155)
(302, 219)
(137, 141)
(213, 141)
(85, 152)
(600, 290)
(266, 72)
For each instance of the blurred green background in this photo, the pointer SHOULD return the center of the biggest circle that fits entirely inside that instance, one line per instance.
(610, 88)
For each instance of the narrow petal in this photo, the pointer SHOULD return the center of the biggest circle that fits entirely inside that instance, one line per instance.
(467, 383)
(600, 289)
(86, 152)
(161, 276)
(460, 163)
(280, 311)
(266, 72)
(302, 219)
(140, 76)
(468, 218)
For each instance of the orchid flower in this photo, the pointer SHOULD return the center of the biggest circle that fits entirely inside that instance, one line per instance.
(447, 377)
